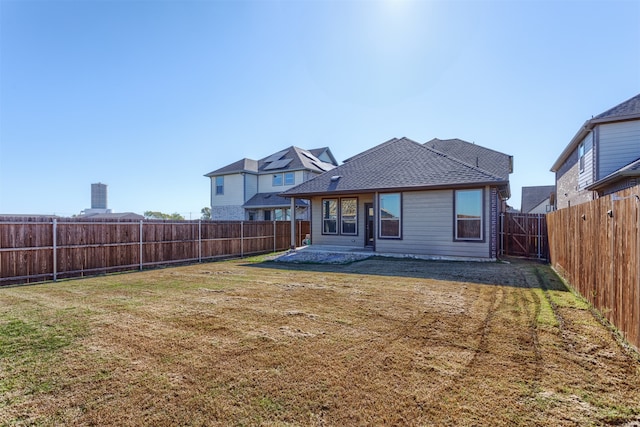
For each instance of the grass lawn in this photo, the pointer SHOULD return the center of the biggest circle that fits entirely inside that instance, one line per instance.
(376, 342)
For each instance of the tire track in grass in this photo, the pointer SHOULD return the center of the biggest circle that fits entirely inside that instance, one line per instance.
(506, 366)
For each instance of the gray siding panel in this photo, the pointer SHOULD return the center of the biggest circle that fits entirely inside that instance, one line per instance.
(619, 145)
(587, 176)
(427, 227)
(251, 186)
(317, 238)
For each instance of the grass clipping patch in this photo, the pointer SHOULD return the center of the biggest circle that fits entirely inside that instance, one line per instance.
(374, 342)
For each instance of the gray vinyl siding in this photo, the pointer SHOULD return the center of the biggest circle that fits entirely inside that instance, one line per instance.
(317, 238)
(587, 175)
(250, 186)
(233, 191)
(427, 227)
(618, 145)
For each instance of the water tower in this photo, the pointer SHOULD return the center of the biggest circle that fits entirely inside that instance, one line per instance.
(99, 196)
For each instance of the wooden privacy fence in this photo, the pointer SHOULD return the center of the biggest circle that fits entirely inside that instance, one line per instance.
(595, 246)
(524, 235)
(51, 249)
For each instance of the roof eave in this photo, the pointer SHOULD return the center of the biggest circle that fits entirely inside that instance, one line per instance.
(611, 179)
(405, 188)
(583, 131)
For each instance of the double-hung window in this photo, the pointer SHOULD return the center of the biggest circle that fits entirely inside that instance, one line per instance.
(219, 185)
(390, 215)
(277, 180)
(340, 216)
(289, 178)
(468, 215)
(330, 216)
(349, 216)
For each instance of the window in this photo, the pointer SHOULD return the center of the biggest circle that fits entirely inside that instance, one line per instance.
(349, 216)
(281, 215)
(219, 184)
(330, 216)
(289, 178)
(468, 211)
(267, 215)
(581, 156)
(390, 214)
(277, 179)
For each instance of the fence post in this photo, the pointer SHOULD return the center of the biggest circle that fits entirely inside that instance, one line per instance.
(55, 249)
(274, 237)
(241, 239)
(539, 237)
(141, 245)
(199, 240)
(502, 233)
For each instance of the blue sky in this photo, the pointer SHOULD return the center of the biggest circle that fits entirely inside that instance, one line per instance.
(148, 96)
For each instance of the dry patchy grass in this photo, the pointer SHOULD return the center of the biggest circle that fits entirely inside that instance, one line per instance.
(377, 342)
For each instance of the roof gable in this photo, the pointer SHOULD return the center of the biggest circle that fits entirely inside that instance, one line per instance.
(397, 164)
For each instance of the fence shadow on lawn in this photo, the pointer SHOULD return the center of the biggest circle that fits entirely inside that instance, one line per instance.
(514, 272)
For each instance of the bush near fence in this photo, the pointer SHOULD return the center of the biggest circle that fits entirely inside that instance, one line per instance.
(595, 246)
(38, 249)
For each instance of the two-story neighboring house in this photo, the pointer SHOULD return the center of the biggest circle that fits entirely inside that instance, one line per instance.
(249, 189)
(603, 156)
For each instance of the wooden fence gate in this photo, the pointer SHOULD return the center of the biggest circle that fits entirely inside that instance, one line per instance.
(524, 235)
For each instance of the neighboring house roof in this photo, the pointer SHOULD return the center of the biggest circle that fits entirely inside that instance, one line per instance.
(289, 159)
(498, 163)
(398, 164)
(269, 200)
(632, 170)
(627, 110)
(533, 196)
(243, 165)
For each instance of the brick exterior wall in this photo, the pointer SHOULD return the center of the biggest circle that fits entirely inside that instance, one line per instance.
(567, 189)
(227, 213)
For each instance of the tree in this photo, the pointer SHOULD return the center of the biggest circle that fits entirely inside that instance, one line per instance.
(160, 215)
(206, 213)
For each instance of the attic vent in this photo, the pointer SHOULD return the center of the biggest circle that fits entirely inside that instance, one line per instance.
(335, 178)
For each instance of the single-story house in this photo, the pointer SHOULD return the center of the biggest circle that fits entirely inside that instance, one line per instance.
(441, 199)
